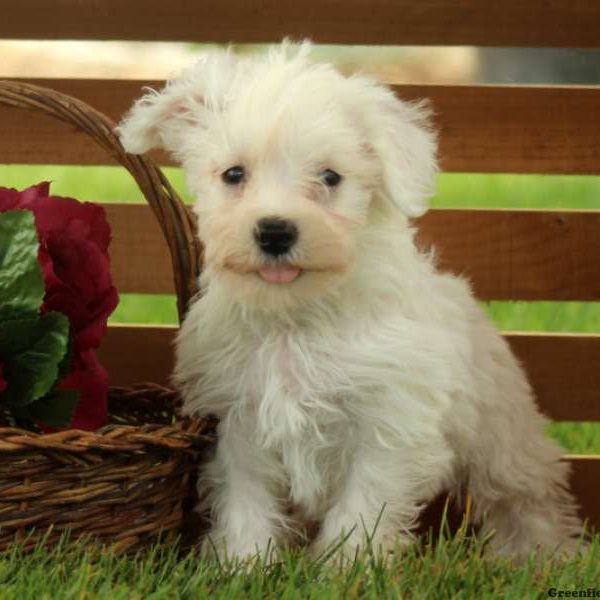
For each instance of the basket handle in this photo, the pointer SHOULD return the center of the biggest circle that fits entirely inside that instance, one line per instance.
(177, 223)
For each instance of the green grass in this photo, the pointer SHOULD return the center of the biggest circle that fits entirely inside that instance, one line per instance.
(459, 190)
(101, 184)
(452, 569)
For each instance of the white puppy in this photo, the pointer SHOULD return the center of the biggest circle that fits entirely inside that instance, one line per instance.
(353, 382)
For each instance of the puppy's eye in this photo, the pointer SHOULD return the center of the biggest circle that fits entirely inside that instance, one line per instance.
(234, 175)
(330, 178)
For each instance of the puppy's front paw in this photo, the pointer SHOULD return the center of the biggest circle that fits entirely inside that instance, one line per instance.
(343, 544)
(249, 550)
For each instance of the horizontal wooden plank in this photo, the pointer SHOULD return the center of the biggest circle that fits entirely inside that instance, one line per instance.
(563, 369)
(519, 254)
(560, 23)
(140, 259)
(135, 353)
(495, 129)
(506, 254)
(585, 484)
(564, 372)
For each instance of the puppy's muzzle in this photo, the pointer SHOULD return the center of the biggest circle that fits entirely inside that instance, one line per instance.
(275, 236)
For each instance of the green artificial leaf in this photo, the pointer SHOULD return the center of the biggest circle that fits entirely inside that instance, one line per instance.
(32, 351)
(17, 335)
(64, 367)
(21, 279)
(55, 410)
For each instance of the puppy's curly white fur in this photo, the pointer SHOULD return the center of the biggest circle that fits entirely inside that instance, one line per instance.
(352, 380)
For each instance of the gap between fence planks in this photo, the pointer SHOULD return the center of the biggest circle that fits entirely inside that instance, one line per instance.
(554, 23)
(492, 129)
(506, 254)
(563, 368)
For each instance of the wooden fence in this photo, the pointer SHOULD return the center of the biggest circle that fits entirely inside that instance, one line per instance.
(508, 254)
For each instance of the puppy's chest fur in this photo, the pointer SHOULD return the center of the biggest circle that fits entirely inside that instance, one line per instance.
(296, 405)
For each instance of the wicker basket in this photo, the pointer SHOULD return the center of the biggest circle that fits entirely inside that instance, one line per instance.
(133, 480)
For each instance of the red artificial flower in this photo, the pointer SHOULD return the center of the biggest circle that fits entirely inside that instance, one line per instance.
(2, 380)
(74, 238)
(73, 255)
(76, 273)
(91, 380)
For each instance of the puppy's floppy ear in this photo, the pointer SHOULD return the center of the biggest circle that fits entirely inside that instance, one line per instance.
(160, 119)
(406, 145)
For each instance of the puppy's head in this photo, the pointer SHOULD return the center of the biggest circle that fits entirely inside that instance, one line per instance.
(288, 161)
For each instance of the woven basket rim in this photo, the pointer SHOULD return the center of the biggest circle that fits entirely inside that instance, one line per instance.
(184, 433)
(119, 438)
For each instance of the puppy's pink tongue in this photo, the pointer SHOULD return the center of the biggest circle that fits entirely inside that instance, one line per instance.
(279, 274)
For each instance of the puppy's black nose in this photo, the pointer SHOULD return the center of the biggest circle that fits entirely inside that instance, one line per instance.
(275, 236)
